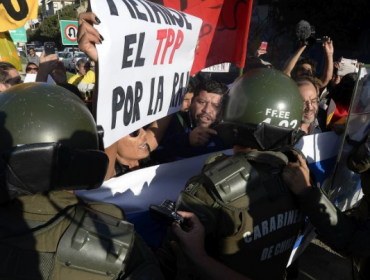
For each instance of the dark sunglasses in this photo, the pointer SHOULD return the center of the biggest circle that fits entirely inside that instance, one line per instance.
(135, 133)
(14, 81)
(31, 68)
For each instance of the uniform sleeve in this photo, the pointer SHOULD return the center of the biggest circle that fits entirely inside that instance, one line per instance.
(358, 160)
(344, 234)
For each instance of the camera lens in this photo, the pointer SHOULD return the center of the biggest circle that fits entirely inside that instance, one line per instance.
(168, 204)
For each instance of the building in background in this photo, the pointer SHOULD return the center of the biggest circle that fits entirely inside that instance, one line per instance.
(51, 7)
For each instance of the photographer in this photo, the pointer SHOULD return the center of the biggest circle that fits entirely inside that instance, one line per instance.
(307, 67)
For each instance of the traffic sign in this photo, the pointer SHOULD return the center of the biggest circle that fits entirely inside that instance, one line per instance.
(18, 35)
(68, 30)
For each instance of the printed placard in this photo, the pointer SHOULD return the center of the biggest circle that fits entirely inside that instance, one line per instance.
(144, 63)
(219, 68)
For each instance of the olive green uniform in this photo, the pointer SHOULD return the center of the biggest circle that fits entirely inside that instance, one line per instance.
(358, 160)
(250, 217)
(34, 241)
(347, 235)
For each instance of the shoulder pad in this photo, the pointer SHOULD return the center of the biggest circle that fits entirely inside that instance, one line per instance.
(212, 158)
(196, 181)
(206, 214)
(95, 243)
(232, 178)
(273, 159)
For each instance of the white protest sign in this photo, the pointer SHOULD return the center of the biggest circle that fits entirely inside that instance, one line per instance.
(219, 68)
(347, 66)
(144, 63)
(31, 78)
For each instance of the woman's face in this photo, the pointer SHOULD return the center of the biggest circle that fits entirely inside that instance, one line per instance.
(133, 146)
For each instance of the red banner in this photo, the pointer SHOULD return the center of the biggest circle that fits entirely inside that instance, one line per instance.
(224, 33)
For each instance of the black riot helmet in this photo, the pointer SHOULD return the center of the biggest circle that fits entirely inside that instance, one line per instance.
(49, 141)
(263, 111)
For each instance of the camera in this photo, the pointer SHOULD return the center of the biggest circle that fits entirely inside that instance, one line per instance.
(307, 34)
(166, 213)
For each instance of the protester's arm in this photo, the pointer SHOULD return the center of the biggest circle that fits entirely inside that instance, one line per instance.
(327, 73)
(176, 143)
(291, 62)
(200, 136)
(260, 52)
(59, 74)
(191, 237)
(48, 65)
(156, 131)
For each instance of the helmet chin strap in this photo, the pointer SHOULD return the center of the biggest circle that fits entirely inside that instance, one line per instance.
(270, 137)
(262, 136)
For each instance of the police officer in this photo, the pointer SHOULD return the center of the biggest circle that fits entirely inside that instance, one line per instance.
(348, 235)
(48, 148)
(251, 220)
(358, 160)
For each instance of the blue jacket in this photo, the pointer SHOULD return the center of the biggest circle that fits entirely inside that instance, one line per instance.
(175, 144)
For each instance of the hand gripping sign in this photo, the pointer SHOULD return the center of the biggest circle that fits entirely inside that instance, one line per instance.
(144, 63)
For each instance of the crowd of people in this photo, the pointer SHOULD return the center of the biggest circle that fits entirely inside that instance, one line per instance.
(241, 214)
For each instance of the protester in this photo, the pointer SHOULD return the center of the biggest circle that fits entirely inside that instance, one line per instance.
(186, 102)
(40, 217)
(254, 62)
(240, 198)
(9, 76)
(311, 124)
(296, 68)
(32, 68)
(130, 152)
(87, 84)
(51, 65)
(342, 95)
(194, 135)
(82, 67)
(32, 56)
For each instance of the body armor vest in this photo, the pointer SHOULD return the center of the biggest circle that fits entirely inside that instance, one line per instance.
(79, 243)
(249, 214)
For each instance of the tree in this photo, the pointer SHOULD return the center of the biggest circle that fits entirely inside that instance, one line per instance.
(49, 29)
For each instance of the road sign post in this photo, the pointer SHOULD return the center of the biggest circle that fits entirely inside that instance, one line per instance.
(68, 31)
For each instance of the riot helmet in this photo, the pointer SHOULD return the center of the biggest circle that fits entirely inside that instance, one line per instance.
(49, 141)
(263, 111)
